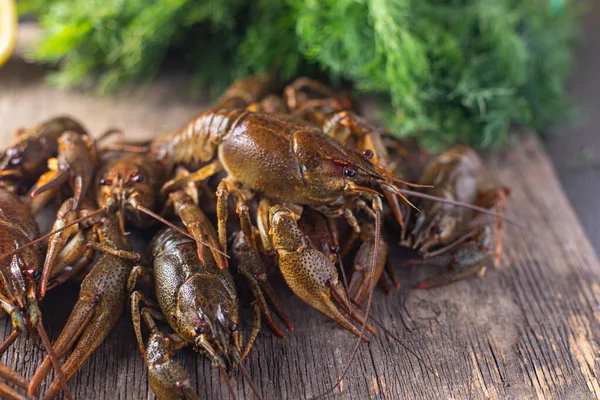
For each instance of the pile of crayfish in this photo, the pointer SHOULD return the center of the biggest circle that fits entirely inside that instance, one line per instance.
(295, 182)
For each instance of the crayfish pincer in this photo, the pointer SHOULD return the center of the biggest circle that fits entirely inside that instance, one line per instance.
(102, 299)
(76, 162)
(27, 156)
(309, 273)
(167, 378)
(19, 275)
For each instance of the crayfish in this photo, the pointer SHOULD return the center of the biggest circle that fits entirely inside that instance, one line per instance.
(19, 277)
(199, 301)
(313, 184)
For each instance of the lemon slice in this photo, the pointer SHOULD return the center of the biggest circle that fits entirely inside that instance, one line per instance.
(8, 29)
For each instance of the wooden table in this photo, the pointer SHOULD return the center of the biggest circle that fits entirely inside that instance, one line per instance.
(528, 329)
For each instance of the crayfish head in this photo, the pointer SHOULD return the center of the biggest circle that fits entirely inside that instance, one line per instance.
(440, 230)
(330, 170)
(16, 162)
(28, 155)
(68, 139)
(207, 317)
(121, 188)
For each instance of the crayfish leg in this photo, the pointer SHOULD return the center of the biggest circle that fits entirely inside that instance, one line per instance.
(292, 91)
(358, 289)
(254, 333)
(7, 392)
(269, 294)
(205, 172)
(251, 267)
(496, 198)
(198, 225)
(222, 195)
(10, 340)
(80, 318)
(12, 376)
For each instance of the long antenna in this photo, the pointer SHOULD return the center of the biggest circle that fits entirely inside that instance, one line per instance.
(178, 229)
(396, 338)
(369, 303)
(67, 226)
(473, 207)
(228, 382)
(53, 357)
(250, 382)
(380, 324)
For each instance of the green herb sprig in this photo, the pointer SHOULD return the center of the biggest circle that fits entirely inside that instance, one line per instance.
(451, 71)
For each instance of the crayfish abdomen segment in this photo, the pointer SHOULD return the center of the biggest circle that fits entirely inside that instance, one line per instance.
(198, 140)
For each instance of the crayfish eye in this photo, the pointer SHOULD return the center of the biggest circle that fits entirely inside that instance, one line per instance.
(368, 154)
(334, 249)
(349, 172)
(199, 329)
(233, 327)
(105, 181)
(137, 178)
(16, 161)
(31, 273)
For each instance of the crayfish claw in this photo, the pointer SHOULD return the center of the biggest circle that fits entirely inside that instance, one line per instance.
(76, 162)
(309, 273)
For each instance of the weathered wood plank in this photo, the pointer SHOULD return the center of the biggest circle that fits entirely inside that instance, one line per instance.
(528, 329)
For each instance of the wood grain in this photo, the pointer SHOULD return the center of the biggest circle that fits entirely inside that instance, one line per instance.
(528, 329)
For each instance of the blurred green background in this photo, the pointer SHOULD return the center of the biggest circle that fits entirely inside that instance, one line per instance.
(447, 71)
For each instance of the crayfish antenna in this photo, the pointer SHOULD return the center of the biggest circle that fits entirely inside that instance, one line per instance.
(250, 382)
(55, 361)
(377, 207)
(225, 378)
(178, 229)
(396, 339)
(47, 235)
(425, 196)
